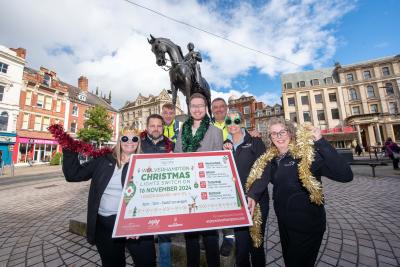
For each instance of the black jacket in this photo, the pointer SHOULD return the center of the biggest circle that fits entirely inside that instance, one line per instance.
(291, 200)
(149, 147)
(100, 170)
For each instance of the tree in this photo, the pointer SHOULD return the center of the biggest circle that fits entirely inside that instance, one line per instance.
(97, 126)
(109, 96)
(97, 90)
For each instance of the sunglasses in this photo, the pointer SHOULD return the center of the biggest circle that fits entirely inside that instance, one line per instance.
(228, 121)
(125, 139)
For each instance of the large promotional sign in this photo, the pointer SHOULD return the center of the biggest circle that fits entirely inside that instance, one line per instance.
(181, 192)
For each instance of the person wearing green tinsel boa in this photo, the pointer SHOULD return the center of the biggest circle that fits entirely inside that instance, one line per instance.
(198, 134)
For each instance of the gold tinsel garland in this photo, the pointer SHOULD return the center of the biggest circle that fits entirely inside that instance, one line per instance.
(303, 150)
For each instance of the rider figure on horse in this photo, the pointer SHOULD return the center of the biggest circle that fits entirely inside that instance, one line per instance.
(192, 57)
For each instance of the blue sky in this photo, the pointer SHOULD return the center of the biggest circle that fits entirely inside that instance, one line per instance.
(109, 46)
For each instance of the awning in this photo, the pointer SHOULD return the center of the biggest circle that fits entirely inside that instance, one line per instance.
(340, 136)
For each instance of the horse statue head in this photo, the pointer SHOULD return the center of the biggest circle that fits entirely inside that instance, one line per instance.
(159, 49)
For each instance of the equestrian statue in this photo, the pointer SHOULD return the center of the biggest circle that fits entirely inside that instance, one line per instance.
(184, 72)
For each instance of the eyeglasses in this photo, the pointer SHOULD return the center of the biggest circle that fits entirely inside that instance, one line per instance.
(200, 106)
(228, 121)
(281, 133)
(125, 139)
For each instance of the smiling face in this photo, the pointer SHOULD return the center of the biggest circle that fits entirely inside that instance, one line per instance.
(155, 128)
(128, 144)
(280, 137)
(198, 108)
(219, 109)
(168, 115)
(233, 122)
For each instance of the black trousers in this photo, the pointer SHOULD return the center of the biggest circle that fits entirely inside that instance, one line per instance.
(112, 250)
(210, 239)
(395, 162)
(244, 244)
(299, 248)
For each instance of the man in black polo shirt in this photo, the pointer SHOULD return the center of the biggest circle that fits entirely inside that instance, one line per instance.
(154, 141)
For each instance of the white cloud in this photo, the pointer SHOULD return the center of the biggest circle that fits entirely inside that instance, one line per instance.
(106, 40)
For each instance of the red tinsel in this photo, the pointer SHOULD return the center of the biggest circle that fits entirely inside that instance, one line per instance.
(168, 143)
(77, 146)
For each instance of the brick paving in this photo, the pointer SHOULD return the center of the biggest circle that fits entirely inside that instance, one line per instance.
(363, 225)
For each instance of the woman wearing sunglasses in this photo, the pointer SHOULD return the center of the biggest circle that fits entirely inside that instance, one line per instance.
(108, 174)
(246, 149)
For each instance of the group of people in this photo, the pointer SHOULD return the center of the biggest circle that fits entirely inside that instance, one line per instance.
(301, 222)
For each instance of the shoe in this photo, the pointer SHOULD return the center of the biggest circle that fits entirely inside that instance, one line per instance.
(227, 246)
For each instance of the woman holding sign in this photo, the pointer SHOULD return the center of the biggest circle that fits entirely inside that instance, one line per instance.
(294, 163)
(246, 149)
(108, 175)
(198, 134)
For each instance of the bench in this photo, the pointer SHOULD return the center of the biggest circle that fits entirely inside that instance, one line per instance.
(372, 164)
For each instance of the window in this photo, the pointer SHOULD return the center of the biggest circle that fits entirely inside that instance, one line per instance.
(393, 108)
(355, 110)
(86, 114)
(247, 123)
(315, 82)
(47, 79)
(291, 101)
(75, 110)
(367, 74)
(318, 98)
(46, 123)
(353, 94)
(28, 98)
(335, 113)
(389, 89)
(306, 116)
(332, 97)
(370, 91)
(301, 84)
(73, 127)
(304, 99)
(58, 106)
(328, 80)
(288, 85)
(4, 121)
(40, 100)
(321, 115)
(48, 102)
(38, 123)
(374, 108)
(1, 92)
(293, 116)
(385, 71)
(350, 77)
(25, 121)
(246, 110)
(3, 67)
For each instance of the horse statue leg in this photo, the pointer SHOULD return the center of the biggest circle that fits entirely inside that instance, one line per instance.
(174, 93)
(188, 90)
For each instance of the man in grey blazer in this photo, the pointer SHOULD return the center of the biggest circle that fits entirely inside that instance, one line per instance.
(198, 134)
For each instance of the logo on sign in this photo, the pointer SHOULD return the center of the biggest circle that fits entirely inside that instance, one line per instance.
(153, 222)
(204, 195)
(201, 165)
(203, 184)
(202, 174)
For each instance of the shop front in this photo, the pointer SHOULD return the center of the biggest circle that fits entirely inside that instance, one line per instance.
(7, 142)
(31, 150)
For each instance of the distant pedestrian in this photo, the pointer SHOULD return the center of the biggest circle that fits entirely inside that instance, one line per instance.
(392, 150)
(358, 149)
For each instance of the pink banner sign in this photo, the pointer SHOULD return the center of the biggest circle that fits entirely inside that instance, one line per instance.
(181, 192)
(37, 141)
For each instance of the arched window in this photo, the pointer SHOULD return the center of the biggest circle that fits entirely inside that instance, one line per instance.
(353, 94)
(389, 89)
(3, 121)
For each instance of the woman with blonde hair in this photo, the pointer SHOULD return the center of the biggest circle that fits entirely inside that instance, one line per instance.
(294, 163)
(107, 174)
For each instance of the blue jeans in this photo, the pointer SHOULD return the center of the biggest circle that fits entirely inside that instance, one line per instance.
(164, 246)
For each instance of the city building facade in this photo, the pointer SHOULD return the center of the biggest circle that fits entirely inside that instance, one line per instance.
(247, 105)
(262, 116)
(12, 62)
(136, 112)
(350, 103)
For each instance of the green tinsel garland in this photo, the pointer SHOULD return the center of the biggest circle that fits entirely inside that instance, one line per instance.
(191, 143)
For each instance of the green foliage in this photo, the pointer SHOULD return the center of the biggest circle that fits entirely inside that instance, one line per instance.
(56, 160)
(97, 126)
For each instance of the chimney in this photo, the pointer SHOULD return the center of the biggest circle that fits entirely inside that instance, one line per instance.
(21, 52)
(83, 83)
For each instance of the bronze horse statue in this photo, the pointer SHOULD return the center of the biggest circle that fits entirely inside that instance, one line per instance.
(181, 73)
